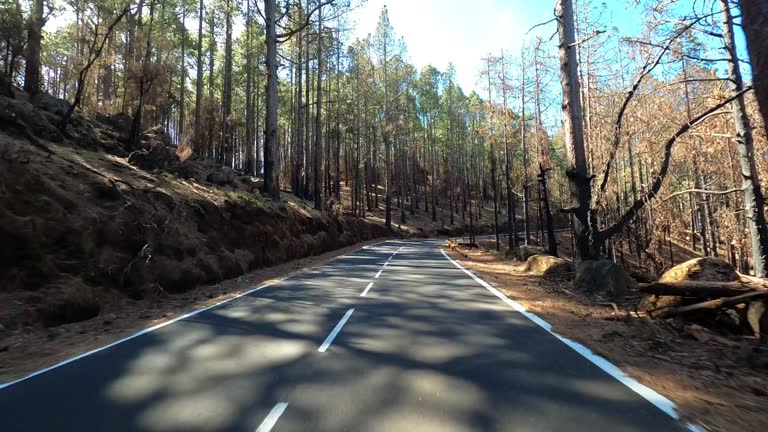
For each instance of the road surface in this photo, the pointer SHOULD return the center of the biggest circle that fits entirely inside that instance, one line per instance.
(393, 337)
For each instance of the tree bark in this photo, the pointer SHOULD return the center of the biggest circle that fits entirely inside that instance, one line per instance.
(754, 17)
(226, 92)
(317, 188)
(199, 84)
(183, 67)
(580, 182)
(754, 201)
(34, 45)
(271, 154)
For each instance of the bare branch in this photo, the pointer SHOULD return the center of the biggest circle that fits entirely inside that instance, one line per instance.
(702, 191)
(282, 37)
(540, 24)
(659, 180)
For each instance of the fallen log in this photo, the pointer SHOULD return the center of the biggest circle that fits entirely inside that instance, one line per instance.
(702, 289)
(717, 303)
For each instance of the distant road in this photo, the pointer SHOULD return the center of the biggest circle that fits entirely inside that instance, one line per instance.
(393, 337)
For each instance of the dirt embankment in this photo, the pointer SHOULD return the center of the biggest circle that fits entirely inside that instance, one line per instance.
(82, 227)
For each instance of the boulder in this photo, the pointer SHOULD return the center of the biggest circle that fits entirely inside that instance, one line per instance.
(158, 133)
(549, 266)
(523, 252)
(156, 157)
(119, 122)
(49, 103)
(701, 269)
(6, 88)
(707, 269)
(222, 177)
(248, 184)
(23, 118)
(604, 278)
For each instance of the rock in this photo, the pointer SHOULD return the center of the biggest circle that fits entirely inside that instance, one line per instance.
(523, 252)
(24, 119)
(49, 103)
(546, 265)
(5, 86)
(603, 278)
(222, 177)
(697, 269)
(158, 133)
(701, 269)
(119, 122)
(757, 318)
(157, 157)
(248, 184)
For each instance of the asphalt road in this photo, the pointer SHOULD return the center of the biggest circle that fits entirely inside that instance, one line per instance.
(378, 340)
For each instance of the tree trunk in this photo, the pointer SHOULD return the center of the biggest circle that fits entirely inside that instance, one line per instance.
(199, 84)
(271, 145)
(183, 83)
(34, 41)
(135, 134)
(578, 176)
(317, 188)
(754, 17)
(249, 117)
(511, 201)
(754, 202)
(226, 92)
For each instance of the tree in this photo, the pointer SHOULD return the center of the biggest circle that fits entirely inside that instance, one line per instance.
(385, 40)
(754, 201)
(33, 67)
(580, 182)
(197, 146)
(95, 49)
(754, 16)
(271, 143)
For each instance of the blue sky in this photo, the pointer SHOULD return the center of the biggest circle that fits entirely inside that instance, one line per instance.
(463, 32)
(459, 31)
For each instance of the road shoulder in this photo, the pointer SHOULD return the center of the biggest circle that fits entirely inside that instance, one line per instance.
(709, 388)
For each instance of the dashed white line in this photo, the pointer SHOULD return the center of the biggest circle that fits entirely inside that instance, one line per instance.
(378, 274)
(366, 289)
(271, 419)
(335, 331)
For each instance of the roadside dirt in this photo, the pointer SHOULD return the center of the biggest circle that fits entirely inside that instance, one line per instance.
(718, 383)
(33, 348)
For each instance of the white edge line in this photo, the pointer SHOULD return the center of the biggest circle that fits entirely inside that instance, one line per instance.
(336, 330)
(661, 402)
(377, 274)
(271, 419)
(366, 289)
(140, 333)
(385, 264)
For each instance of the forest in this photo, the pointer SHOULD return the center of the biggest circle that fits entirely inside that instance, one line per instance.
(279, 91)
(269, 123)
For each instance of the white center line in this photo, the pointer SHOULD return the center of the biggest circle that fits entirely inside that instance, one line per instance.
(335, 331)
(366, 289)
(377, 275)
(272, 417)
(385, 264)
